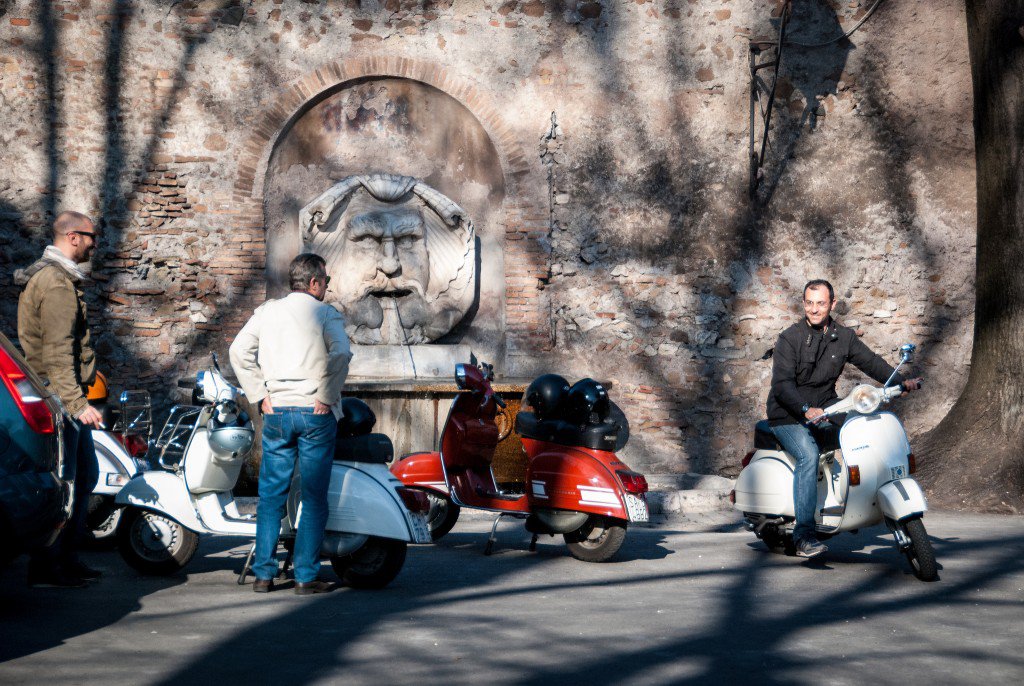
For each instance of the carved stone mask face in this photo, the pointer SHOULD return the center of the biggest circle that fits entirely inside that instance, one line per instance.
(387, 249)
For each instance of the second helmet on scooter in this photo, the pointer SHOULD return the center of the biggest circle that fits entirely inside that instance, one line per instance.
(587, 403)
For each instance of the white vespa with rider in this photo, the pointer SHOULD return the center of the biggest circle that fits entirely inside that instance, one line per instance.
(371, 518)
(863, 481)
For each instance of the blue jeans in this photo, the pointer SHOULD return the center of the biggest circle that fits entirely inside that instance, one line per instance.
(290, 435)
(802, 442)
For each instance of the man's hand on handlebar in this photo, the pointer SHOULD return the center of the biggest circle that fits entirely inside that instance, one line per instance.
(815, 415)
(912, 384)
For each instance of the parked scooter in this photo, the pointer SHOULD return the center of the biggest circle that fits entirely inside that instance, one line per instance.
(371, 517)
(575, 484)
(121, 448)
(862, 481)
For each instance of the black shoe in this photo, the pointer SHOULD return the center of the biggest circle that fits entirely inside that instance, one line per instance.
(56, 580)
(810, 547)
(83, 570)
(311, 587)
(263, 585)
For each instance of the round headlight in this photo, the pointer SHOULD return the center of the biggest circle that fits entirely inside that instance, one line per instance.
(866, 399)
(460, 375)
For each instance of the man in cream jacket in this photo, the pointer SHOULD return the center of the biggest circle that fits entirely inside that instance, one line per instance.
(291, 359)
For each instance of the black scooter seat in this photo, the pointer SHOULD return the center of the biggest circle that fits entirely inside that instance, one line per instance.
(371, 448)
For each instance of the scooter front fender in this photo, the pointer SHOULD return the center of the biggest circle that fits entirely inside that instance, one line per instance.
(902, 499)
(422, 470)
(161, 492)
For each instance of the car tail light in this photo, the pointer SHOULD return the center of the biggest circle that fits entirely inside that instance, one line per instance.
(854, 475)
(913, 462)
(732, 496)
(415, 500)
(30, 403)
(136, 445)
(633, 482)
(747, 458)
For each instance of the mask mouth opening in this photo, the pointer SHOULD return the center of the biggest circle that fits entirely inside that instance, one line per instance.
(391, 293)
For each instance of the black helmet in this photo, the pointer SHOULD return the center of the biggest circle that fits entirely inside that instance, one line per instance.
(358, 419)
(546, 395)
(587, 403)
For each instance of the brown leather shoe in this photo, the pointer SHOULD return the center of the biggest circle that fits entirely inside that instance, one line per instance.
(263, 585)
(312, 587)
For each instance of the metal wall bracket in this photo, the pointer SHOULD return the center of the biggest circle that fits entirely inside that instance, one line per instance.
(760, 88)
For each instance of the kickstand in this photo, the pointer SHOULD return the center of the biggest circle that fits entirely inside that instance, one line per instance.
(492, 539)
(247, 565)
(533, 544)
(283, 573)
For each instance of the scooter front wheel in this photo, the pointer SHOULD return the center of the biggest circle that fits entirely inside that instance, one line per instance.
(920, 553)
(373, 566)
(442, 515)
(597, 540)
(154, 544)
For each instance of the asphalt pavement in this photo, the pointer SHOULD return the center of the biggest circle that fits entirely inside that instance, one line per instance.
(692, 600)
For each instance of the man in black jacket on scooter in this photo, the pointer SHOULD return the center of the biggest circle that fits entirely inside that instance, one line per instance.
(808, 361)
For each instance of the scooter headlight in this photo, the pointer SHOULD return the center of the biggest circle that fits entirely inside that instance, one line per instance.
(460, 375)
(866, 399)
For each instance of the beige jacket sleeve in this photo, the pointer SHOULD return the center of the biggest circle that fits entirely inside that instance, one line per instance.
(244, 356)
(58, 310)
(339, 353)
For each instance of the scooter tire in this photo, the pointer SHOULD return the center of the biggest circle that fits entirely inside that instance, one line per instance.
(140, 540)
(373, 566)
(101, 523)
(442, 515)
(920, 554)
(597, 540)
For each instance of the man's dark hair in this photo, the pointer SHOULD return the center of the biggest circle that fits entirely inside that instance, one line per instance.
(305, 267)
(818, 283)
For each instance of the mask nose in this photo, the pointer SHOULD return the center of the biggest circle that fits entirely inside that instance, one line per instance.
(388, 262)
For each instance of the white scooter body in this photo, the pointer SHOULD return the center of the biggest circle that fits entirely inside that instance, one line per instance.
(876, 444)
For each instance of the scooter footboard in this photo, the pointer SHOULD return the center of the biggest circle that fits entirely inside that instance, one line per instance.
(901, 499)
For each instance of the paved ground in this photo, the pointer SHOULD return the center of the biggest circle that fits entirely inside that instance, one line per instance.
(686, 602)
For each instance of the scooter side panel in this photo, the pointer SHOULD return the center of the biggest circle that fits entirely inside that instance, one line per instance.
(765, 485)
(576, 479)
(115, 464)
(360, 504)
(901, 499)
(161, 492)
(422, 470)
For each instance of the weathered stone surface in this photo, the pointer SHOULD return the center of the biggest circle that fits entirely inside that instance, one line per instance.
(630, 251)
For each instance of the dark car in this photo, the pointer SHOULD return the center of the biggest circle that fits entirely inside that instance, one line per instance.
(35, 496)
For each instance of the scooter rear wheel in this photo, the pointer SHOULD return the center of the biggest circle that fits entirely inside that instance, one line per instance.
(597, 540)
(154, 544)
(442, 516)
(373, 566)
(920, 553)
(779, 543)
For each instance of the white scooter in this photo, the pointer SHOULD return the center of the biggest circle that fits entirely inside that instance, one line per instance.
(862, 482)
(121, 454)
(371, 517)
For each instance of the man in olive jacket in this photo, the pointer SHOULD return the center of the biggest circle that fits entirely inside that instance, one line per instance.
(808, 361)
(53, 331)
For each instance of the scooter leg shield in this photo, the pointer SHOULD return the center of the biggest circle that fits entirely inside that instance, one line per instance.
(901, 499)
(161, 492)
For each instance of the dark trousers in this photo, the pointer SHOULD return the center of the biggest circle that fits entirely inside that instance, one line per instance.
(80, 461)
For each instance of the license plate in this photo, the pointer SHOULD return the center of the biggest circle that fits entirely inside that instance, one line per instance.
(636, 507)
(420, 528)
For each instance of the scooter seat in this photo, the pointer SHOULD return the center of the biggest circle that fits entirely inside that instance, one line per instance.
(764, 439)
(600, 436)
(374, 448)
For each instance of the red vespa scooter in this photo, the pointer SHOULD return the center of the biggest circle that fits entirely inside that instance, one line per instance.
(575, 484)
